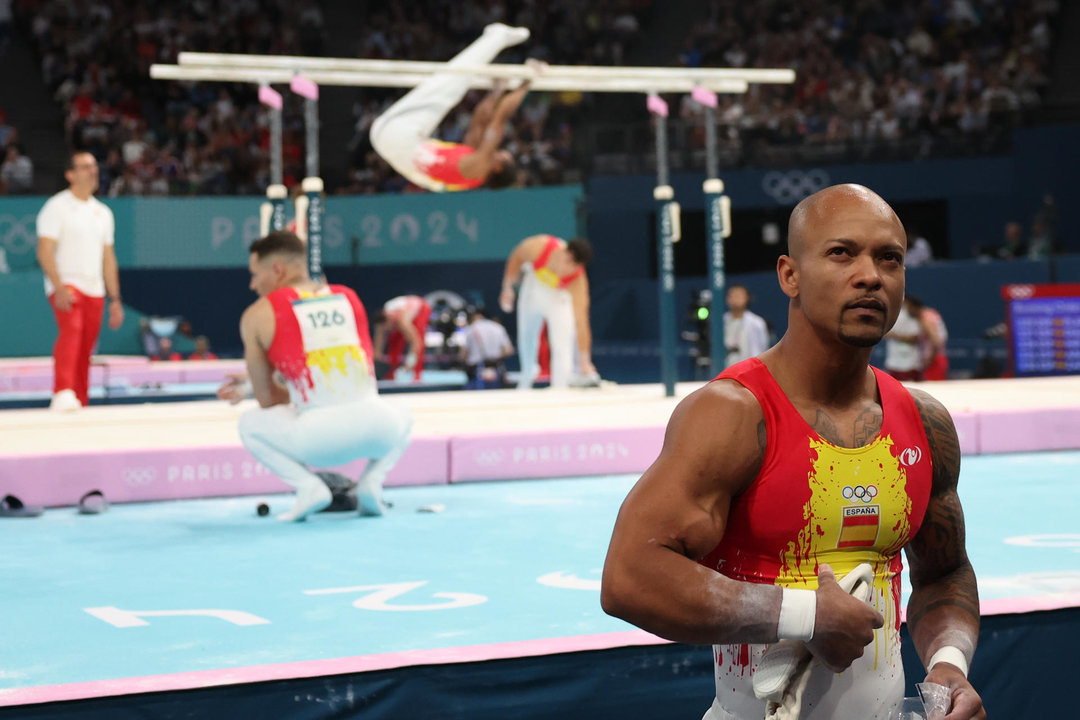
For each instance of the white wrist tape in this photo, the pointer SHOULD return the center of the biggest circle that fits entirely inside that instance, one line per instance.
(245, 388)
(952, 655)
(798, 609)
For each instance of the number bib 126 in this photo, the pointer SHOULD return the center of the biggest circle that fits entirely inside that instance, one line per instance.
(326, 322)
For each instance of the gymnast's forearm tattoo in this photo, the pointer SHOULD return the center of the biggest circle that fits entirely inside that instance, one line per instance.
(937, 554)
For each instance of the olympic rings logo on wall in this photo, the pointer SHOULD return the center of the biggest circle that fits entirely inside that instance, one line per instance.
(866, 494)
(788, 188)
(138, 476)
(1020, 291)
(489, 457)
(18, 235)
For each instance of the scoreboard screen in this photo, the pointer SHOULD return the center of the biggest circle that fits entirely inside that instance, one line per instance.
(1044, 328)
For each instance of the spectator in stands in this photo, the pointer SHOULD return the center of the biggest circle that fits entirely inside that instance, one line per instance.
(873, 82)
(7, 132)
(1040, 244)
(1014, 242)
(148, 337)
(202, 350)
(16, 172)
(165, 351)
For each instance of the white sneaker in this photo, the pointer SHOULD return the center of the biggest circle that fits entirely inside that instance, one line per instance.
(310, 499)
(65, 401)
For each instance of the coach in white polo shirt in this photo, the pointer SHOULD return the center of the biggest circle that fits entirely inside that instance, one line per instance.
(75, 250)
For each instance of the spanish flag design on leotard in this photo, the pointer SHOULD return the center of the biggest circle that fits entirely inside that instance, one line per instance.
(544, 274)
(438, 160)
(814, 502)
(322, 345)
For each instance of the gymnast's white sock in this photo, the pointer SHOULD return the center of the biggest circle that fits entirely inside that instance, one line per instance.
(310, 498)
(369, 495)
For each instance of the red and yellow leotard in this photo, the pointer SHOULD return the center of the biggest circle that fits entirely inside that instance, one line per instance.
(322, 345)
(544, 273)
(439, 160)
(814, 502)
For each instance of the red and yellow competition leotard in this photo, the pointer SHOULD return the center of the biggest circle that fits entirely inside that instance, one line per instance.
(814, 502)
(322, 345)
(439, 161)
(543, 272)
(404, 308)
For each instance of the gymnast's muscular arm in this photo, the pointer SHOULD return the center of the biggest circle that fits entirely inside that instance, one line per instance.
(478, 164)
(677, 513)
(944, 605)
(579, 295)
(483, 113)
(526, 251)
(412, 335)
(257, 332)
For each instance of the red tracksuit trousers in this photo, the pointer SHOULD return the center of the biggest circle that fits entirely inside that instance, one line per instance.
(79, 328)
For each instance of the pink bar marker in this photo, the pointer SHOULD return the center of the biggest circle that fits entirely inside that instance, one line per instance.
(270, 97)
(656, 104)
(703, 96)
(304, 87)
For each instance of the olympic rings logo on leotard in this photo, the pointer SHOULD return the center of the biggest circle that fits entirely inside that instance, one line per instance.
(865, 493)
(788, 188)
(18, 234)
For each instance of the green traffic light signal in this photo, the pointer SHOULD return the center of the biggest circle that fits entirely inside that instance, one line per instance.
(703, 313)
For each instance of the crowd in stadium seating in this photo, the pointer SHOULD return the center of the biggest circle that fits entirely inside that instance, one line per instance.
(174, 138)
(161, 138)
(871, 74)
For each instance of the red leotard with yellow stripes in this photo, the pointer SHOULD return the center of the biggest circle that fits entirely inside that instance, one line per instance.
(322, 345)
(814, 502)
(545, 275)
(439, 161)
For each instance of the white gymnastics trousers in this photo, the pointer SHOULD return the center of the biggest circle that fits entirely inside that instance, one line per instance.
(536, 304)
(287, 440)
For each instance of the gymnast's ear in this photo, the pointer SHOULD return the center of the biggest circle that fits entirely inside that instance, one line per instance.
(787, 273)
